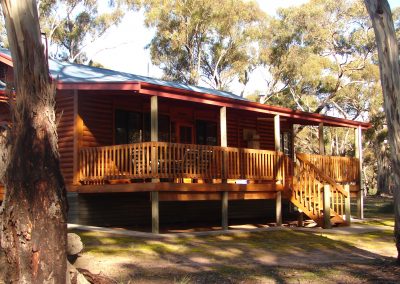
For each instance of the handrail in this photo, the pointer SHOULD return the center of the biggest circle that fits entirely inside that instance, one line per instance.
(340, 169)
(324, 177)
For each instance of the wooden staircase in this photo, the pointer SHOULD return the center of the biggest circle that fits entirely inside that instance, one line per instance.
(312, 189)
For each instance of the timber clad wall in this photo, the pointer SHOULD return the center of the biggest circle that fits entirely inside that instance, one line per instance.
(97, 108)
(65, 130)
(97, 115)
(239, 120)
(97, 111)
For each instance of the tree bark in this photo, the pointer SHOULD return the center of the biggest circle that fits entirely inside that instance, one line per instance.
(33, 232)
(381, 16)
(383, 174)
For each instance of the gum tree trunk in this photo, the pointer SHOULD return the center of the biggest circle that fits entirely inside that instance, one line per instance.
(33, 232)
(381, 16)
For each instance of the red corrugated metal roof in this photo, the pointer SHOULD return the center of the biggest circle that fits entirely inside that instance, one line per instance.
(78, 77)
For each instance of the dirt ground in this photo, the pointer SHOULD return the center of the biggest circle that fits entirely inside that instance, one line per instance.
(317, 267)
(365, 253)
(285, 256)
(374, 272)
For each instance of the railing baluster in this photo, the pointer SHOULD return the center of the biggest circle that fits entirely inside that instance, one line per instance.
(171, 160)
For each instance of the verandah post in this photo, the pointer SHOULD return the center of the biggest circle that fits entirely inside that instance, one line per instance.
(277, 136)
(360, 193)
(327, 206)
(78, 132)
(224, 143)
(347, 207)
(321, 139)
(155, 220)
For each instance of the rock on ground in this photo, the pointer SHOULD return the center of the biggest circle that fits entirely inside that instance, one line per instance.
(74, 244)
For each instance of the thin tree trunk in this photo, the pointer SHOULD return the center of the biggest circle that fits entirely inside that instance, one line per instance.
(34, 210)
(383, 170)
(381, 16)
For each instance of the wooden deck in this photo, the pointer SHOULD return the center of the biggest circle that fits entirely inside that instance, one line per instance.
(190, 191)
(320, 186)
(195, 172)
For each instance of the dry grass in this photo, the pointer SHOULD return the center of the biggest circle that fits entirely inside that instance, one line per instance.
(285, 256)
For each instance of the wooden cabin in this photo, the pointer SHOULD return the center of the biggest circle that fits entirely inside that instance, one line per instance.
(143, 149)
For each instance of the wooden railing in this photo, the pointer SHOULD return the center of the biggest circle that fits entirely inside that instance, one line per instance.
(307, 192)
(172, 160)
(340, 169)
(308, 189)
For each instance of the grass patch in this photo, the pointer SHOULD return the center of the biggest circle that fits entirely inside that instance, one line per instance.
(100, 243)
(379, 242)
(250, 244)
(241, 245)
(310, 257)
(378, 207)
(380, 222)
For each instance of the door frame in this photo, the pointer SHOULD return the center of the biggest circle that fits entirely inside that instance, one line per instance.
(178, 125)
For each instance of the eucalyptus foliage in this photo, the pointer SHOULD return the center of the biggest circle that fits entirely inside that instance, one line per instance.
(322, 58)
(205, 41)
(72, 25)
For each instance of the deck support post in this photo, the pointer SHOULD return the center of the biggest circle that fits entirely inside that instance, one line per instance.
(300, 219)
(224, 204)
(155, 219)
(327, 207)
(347, 206)
(224, 143)
(278, 208)
(360, 193)
(277, 139)
(321, 139)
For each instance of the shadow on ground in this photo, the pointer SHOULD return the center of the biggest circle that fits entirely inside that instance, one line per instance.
(271, 256)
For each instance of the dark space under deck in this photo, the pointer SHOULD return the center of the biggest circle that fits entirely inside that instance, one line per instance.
(133, 210)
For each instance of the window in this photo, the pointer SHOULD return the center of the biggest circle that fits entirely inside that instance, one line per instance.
(164, 128)
(128, 127)
(206, 133)
(134, 127)
(286, 143)
(185, 134)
